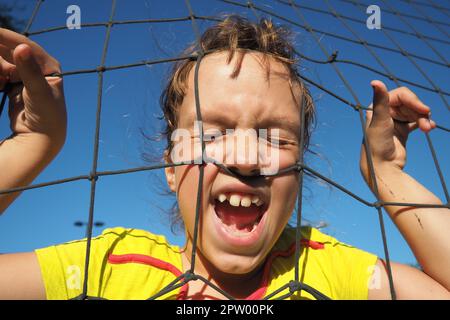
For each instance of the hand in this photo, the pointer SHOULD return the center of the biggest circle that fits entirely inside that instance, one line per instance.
(395, 115)
(37, 106)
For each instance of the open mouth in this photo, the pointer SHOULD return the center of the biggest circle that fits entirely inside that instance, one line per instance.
(239, 214)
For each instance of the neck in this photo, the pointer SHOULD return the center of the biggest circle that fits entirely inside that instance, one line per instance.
(230, 283)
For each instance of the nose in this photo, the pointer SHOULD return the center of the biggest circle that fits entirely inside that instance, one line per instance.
(244, 170)
(242, 156)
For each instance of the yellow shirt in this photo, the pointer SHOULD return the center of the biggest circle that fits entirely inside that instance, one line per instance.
(136, 264)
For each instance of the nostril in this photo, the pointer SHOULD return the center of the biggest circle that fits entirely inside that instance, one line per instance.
(243, 172)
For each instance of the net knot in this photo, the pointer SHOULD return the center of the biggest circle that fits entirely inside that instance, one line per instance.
(294, 286)
(333, 57)
(378, 204)
(190, 276)
(93, 176)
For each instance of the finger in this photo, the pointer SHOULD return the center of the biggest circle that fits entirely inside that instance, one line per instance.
(30, 73)
(9, 71)
(6, 69)
(413, 126)
(12, 39)
(368, 116)
(433, 124)
(405, 97)
(380, 103)
(6, 53)
(424, 124)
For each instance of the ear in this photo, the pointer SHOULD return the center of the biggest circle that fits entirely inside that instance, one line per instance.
(170, 173)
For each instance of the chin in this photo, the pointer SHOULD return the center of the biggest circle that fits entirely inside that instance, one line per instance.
(235, 264)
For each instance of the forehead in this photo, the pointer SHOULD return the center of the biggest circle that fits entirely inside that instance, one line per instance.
(259, 90)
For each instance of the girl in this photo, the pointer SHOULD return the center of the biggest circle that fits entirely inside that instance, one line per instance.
(247, 81)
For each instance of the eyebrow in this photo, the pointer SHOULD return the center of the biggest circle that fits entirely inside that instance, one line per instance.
(281, 122)
(218, 117)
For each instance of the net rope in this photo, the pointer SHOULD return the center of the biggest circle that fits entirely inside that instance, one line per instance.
(295, 285)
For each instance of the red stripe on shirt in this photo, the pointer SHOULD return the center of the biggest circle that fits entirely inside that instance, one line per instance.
(151, 261)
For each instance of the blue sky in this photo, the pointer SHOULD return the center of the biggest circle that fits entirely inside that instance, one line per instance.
(45, 216)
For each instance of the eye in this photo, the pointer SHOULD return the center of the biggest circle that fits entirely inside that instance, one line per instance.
(277, 141)
(209, 137)
(212, 136)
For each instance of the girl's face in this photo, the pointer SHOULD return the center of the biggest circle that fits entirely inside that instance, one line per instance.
(240, 220)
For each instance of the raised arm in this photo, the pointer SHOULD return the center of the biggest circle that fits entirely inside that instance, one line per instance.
(396, 114)
(38, 128)
(36, 111)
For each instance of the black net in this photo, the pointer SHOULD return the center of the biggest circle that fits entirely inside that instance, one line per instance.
(297, 20)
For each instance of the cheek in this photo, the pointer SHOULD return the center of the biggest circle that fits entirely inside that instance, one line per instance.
(187, 178)
(284, 194)
(287, 157)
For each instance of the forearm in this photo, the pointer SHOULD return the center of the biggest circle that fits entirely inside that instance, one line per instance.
(21, 161)
(427, 230)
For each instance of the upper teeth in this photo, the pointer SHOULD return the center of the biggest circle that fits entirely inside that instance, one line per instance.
(236, 200)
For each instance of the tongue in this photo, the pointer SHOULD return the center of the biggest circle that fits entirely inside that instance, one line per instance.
(241, 217)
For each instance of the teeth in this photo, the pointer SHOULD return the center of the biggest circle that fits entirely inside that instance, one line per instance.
(246, 202)
(232, 229)
(237, 200)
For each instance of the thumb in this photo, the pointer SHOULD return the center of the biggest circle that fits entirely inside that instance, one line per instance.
(380, 103)
(30, 73)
